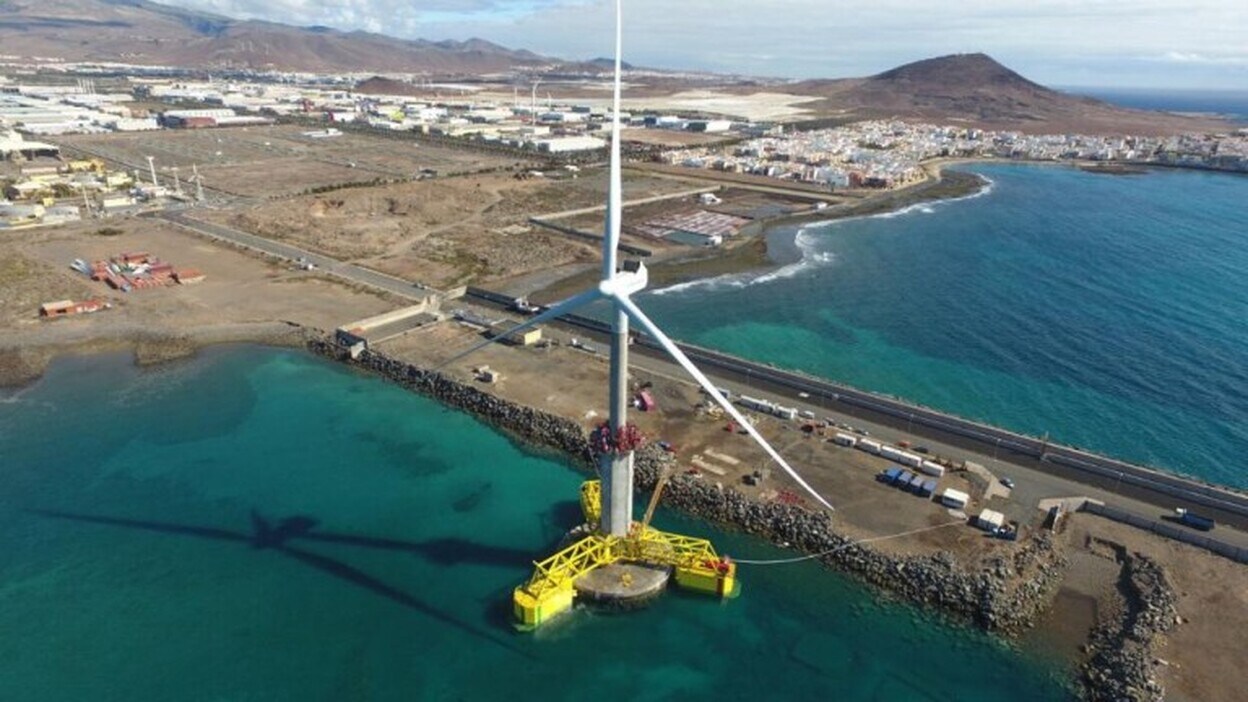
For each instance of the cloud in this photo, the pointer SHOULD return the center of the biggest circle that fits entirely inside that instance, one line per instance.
(1182, 57)
(804, 38)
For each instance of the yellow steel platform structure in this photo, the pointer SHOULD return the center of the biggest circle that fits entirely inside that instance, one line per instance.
(551, 591)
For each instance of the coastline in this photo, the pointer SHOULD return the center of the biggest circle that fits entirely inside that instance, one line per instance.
(754, 254)
(25, 357)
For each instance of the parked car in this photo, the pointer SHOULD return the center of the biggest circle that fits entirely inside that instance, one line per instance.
(1008, 483)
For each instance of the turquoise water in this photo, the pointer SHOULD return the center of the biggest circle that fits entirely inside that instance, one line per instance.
(263, 525)
(1107, 311)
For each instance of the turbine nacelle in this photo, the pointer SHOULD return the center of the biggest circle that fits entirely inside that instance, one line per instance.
(632, 278)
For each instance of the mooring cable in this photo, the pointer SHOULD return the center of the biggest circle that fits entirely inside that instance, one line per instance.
(812, 556)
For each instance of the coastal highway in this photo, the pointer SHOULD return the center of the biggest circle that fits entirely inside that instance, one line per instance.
(332, 266)
(1134, 482)
(1154, 487)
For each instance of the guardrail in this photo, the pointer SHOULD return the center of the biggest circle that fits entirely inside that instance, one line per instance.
(1186, 491)
(1169, 531)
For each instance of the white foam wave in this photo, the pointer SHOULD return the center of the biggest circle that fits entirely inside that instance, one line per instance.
(811, 257)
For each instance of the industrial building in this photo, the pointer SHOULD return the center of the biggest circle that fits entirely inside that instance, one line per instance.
(527, 337)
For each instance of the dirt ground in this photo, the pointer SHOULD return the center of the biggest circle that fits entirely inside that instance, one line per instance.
(277, 160)
(239, 289)
(1205, 651)
(442, 232)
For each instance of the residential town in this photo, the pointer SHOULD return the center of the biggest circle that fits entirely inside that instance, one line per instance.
(889, 154)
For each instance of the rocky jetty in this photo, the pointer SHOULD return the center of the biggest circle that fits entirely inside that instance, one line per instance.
(1122, 662)
(1006, 596)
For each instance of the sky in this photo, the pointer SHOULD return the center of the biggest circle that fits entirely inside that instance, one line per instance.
(1196, 44)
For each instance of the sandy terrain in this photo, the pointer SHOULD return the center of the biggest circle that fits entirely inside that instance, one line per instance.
(639, 97)
(243, 298)
(444, 231)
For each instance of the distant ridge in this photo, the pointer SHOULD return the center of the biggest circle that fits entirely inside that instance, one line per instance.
(958, 70)
(143, 32)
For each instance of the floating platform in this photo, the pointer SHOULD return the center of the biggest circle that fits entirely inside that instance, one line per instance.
(600, 567)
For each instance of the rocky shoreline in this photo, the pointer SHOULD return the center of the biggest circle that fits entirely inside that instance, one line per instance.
(1008, 596)
(1122, 663)
(25, 357)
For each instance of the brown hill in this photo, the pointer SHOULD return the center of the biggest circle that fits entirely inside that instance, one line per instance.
(975, 89)
(142, 32)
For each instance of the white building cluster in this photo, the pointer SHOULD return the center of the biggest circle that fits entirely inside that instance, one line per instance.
(888, 154)
(54, 110)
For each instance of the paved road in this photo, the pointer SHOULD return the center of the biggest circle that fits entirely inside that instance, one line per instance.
(1136, 483)
(332, 266)
(1143, 486)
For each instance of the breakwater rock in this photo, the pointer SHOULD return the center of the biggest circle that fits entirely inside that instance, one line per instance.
(1006, 594)
(533, 426)
(1122, 662)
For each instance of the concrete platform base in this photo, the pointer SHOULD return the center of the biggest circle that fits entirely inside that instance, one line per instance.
(623, 585)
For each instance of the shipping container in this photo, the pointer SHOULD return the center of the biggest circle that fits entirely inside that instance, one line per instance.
(845, 440)
(954, 498)
(932, 468)
(869, 446)
(928, 488)
(990, 520)
(912, 460)
(890, 453)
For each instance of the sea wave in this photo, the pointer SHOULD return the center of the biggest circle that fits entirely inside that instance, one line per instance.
(811, 257)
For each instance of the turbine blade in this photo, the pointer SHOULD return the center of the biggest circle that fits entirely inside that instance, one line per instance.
(615, 187)
(557, 310)
(674, 351)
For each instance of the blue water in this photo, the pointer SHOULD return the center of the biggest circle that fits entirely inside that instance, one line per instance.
(1108, 311)
(1229, 103)
(264, 525)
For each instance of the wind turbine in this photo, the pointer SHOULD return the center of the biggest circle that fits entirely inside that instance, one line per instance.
(615, 441)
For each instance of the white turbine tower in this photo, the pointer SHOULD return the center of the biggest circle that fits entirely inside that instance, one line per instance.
(617, 287)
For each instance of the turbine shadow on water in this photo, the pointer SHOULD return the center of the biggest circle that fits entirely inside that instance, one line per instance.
(267, 535)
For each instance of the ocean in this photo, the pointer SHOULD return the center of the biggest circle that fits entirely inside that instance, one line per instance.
(260, 524)
(1232, 104)
(1106, 311)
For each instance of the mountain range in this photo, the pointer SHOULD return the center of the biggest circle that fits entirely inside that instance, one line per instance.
(143, 32)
